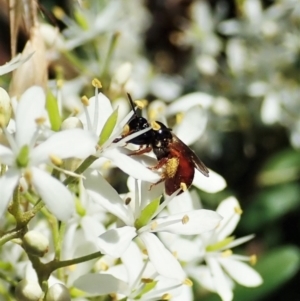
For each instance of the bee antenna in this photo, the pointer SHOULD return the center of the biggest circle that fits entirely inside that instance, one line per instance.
(131, 102)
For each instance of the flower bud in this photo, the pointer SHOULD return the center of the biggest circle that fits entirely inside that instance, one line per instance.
(5, 107)
(58, 292)
(35, 243)
(71, 123)
(27, 290)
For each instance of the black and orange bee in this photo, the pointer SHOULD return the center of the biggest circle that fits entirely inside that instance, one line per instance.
(176, 159)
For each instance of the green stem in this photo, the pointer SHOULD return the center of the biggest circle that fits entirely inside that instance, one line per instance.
(81, 168)
(65, 263)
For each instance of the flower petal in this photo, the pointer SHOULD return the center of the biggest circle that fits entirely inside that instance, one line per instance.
(188, 223)
(105, 195)
(55, 195)
(114, 242)
(30, 107)
(6, 155)
(241, 272)
(75, 143)
(162, 259)
(212, 184)
(131, 166)
(8, 183)
(222, 283)
(228, 210)
(101, 284)
(192, 125)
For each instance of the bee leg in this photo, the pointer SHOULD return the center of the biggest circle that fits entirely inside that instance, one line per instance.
(154, 184)
(141, 151)
(160, 164)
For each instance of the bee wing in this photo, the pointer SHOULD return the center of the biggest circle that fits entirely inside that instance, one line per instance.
(188, 153)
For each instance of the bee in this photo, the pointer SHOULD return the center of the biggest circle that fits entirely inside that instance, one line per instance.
(175, 158)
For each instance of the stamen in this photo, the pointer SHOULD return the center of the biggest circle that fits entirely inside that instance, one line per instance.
(183, 186)
(56, 160)
(154, 225)
(179, 117)
(253, 259)
(85, 100)
(59, 83)
(166, 296)
(96, 83)
(28, 176)
(40, 121)
(127, 201)
(226, 253)
(155, 126)
(238, 210)
(188, 282)
(96, 110)
(185, 219)
(140, 103)
(103, 266)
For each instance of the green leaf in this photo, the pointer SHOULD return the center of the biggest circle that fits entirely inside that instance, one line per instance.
(280, 168)
(147, 214)
(108, 127)
(270, 204)
(276, 268)
(53, 112)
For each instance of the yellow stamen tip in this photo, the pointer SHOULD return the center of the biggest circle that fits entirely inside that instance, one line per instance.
(103, 266)
(226, 253)
(58, 12)
(140, 104)
(85, 101)
(154, 225)
(96, 83)
(56, 160)
(40, 120)
(145, 252)
(183, 186)
(253, 259)
(185, 219)
(28, 176)
(126, 130)
(188, 282)
(166, 296)
(238, 210)
(155, 126)
(179, 117)
(60, 83)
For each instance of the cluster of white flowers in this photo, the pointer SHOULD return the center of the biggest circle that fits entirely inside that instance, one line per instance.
(134, 245)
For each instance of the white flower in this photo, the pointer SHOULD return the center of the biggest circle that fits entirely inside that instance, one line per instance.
(24, 156)
(140, 220)
(214, 248)
(96, 114)
(133, 279)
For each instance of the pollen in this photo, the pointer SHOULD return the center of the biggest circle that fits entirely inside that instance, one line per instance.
(188, 282)
(126, 130)
(145, 252)
(238, 210)
(185, 219)
(155, 126)
(85, 101)
(171, 167)
(179, 118)
(226, 253)
(253, 259)
(166, 296)
(56, 160)
(96, 83)
(183, 186)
